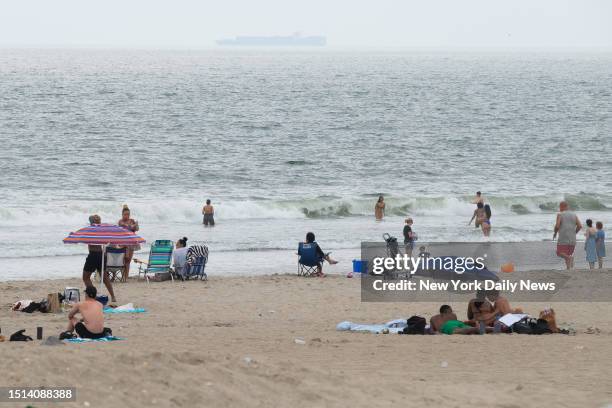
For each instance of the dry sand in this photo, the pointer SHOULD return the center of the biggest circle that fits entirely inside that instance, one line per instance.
(193, 346)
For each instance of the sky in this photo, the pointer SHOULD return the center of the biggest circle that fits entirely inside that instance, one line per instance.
(353, 24)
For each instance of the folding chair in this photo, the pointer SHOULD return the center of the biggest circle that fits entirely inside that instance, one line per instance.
(160, 259)
(115, 263)
(309, 260)
(197, 257)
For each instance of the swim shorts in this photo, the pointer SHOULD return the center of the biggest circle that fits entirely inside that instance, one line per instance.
(93, 262)
(209, 219)
(565, 249)
(86, 334)
(450, 326)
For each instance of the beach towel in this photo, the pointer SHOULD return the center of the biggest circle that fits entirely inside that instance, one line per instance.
(128, 308)
(394, 326)
(103, 339)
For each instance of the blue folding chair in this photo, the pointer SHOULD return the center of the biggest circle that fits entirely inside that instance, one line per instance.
(197, 257)
(309, 260)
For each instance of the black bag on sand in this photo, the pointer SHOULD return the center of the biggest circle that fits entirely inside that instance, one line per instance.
(19, 336)
(416, 325)
(531, 326)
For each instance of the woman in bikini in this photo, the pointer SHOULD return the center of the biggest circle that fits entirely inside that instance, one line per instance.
(483, 218)
(131, 225)
(379, 208)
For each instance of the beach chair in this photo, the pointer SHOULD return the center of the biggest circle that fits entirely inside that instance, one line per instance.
(197, 257)
(308, 259)
(115, 263)
(160, 259)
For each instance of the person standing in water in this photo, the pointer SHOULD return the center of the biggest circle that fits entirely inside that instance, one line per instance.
(590, 243)
(566, 226)
(482, 214)
(131, 225)
(379, 208)
(478, 199)
(209, 214)
(600, 239)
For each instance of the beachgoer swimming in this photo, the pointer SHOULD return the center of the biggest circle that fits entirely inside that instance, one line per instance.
(481, 214)
(566, 226)
(209, 214)
(131, 225)
(379, 208)
(310, 239)
(94, 263)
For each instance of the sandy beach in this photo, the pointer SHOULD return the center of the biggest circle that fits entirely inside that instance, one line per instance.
(230, 342)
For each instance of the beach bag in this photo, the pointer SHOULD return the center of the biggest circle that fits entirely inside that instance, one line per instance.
(530, 325)
(415, 325)
(19, 336)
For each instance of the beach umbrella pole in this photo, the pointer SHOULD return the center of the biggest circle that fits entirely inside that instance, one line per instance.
(102, 272)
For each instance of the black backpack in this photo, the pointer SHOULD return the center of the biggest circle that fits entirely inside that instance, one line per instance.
(416, 325)
(531, 326)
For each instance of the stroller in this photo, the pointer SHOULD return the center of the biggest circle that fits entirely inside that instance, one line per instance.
(392, 251)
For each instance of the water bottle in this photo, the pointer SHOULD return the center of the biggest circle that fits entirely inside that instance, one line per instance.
(482, 327)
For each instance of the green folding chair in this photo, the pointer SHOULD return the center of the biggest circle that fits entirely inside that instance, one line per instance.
(160, 260)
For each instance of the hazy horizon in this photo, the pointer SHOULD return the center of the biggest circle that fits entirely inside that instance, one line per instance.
(188, 24)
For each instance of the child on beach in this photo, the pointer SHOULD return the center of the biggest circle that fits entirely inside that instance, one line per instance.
(600, 241)
(590, 245)
(409, 237)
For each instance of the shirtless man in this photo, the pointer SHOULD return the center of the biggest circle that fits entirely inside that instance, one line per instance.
(209, 214)
(91, 324)
(478, 199)
(446, 314)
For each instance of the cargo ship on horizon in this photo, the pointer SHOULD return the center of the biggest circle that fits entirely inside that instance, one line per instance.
(295, 40)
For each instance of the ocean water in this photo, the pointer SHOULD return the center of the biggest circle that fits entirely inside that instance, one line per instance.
(290, 142)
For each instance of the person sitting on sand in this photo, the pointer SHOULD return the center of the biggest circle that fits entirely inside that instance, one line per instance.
(437, 321)
(91, 324)
(93, 263)
(310, 239)
(493, 307)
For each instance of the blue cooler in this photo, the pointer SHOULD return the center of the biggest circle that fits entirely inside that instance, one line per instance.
(360, 266)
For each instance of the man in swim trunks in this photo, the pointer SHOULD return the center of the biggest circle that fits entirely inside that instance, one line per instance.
(93, 263)
(437, 321)
(91, 324)
(209, 214)
(566, 226)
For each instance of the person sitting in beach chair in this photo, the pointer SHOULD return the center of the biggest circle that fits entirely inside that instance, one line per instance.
(311, 257)
(179, 256)
(91, 323)
(195, 264)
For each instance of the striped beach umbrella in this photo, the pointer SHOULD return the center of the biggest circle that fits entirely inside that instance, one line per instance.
(104, 234)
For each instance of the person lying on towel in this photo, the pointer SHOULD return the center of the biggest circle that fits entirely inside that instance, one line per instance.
(446, 322)
(91, 324)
